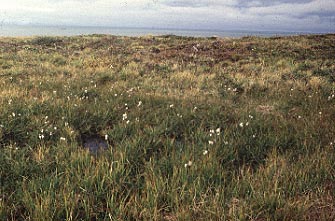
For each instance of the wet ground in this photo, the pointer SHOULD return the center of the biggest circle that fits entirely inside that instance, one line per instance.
(95, 144)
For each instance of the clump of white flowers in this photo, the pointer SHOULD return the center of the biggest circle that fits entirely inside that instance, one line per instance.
(124, 116)
(188, 164)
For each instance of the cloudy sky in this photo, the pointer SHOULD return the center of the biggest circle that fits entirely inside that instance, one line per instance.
(283, 15)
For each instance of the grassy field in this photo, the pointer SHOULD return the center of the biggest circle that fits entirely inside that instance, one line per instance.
(197, 128)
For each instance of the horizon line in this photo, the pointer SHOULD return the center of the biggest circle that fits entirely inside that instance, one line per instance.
(167, 28)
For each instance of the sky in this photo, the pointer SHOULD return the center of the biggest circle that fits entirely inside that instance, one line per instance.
(265, 15)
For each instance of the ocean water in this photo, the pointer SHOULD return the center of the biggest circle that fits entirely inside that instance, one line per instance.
(21, 31)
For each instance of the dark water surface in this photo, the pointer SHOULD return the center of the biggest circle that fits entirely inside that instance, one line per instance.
(95, 144)
(17, 31)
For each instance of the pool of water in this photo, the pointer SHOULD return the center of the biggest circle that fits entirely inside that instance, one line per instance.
(95, 144)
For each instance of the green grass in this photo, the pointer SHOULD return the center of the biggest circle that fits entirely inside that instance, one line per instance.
(198, 128)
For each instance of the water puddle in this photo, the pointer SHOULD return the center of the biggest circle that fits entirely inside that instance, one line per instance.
(95, 144)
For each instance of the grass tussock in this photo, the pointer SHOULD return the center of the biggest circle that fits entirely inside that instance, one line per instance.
(197, 128)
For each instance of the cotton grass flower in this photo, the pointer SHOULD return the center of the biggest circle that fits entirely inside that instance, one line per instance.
(62, 139)
(188, 164)
(106, 136)
(124, 116)
(210, 142)
(205, 152)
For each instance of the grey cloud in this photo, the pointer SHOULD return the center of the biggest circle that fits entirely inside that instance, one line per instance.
(306, 15)
(198, 3)
(232, 3)
(253, 3)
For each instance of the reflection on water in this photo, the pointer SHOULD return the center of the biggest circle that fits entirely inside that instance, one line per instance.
(95, 144)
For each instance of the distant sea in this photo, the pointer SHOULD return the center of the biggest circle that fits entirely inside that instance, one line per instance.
(23, 31)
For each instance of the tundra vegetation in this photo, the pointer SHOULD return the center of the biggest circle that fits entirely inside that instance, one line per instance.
(197, 128)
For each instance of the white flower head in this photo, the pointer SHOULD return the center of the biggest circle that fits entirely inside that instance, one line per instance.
(205, 152)
(124, 116)
(241, 124)
(210, 142)
(188, 164)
